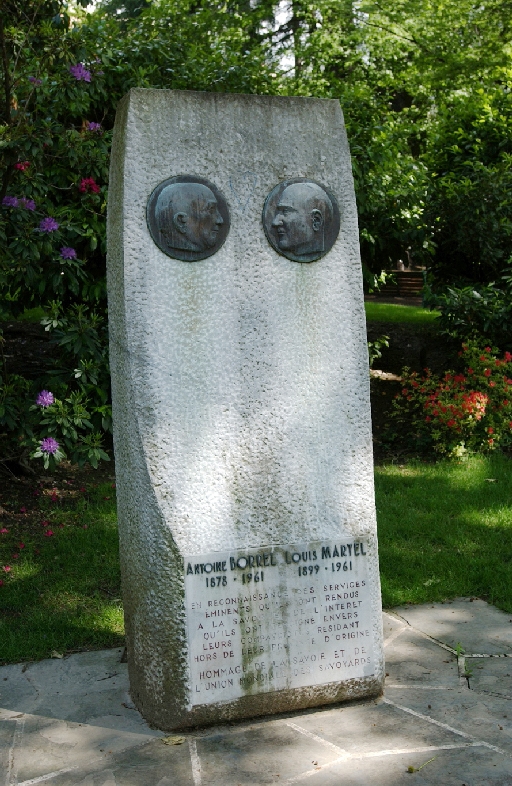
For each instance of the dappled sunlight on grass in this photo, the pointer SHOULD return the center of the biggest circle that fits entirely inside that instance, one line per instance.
(446, 531)
(63, 591)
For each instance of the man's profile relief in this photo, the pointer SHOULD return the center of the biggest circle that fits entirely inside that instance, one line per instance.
(188, 218)
(301, 220)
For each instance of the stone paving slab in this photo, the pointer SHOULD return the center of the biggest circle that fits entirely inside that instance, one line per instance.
(479, 627)
(71, 722)
(491, 675)
(415, 659)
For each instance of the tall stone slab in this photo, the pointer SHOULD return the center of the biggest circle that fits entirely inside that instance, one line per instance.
(241, 408)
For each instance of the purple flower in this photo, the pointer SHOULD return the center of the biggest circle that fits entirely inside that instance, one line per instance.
(49, 445)
(28, 204)
(45, 399)
(35, 80)
(67, 253)
(10, 201)
(48, 224)
(80, 73)
(93, 126)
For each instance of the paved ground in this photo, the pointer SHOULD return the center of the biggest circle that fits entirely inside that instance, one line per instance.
(446, 713)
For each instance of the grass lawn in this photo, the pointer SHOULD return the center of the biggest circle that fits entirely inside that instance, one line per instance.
(62, 592)
(445, 530)
(393, 312)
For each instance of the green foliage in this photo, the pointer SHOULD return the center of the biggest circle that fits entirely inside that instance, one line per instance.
(460, 413)
(375, 348)
(476, 312)
(470, 156)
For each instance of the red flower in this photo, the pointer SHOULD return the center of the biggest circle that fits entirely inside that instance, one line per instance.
(404, 391)
(48, 533)
(507, 356)
(487, 349)
(497, 362)
(490, 430)
(82, 488)
(21, 545)
(482, 357)
(490, 441)
(428, 419)
(7, 568)
(22, 165)
(88, 185)
(1, 583)
(15, 556)
(487, 372)
(23, 509)
(505, 402)
(4, 531)
(470, 371)
(492, 384)
(450, 423)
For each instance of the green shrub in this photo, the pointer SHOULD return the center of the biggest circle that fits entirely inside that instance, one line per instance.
(477, 312)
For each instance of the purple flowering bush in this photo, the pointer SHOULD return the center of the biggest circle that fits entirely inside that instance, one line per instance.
(67, 428)
(52, 236)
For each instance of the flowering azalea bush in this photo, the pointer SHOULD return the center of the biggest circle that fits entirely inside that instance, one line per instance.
(456, 413)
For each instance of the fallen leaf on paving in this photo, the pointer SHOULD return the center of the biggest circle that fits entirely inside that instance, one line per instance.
(173, 740)
(56, 654)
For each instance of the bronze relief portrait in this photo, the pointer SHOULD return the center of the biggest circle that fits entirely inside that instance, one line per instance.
(301, 219)
(188, 218)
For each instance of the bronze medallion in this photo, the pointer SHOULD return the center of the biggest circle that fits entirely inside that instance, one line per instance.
(301, 219)
(188, 218)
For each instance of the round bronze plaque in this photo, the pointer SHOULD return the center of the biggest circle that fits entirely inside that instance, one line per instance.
(188, 218)
(301, 219)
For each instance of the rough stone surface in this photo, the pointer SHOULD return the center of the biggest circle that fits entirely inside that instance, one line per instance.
(240, 382)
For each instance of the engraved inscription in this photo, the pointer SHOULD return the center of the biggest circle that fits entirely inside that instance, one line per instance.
(262, 620)
(188, 218)
(301, 219)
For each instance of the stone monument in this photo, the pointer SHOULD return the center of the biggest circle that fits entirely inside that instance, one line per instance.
(241, 408)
